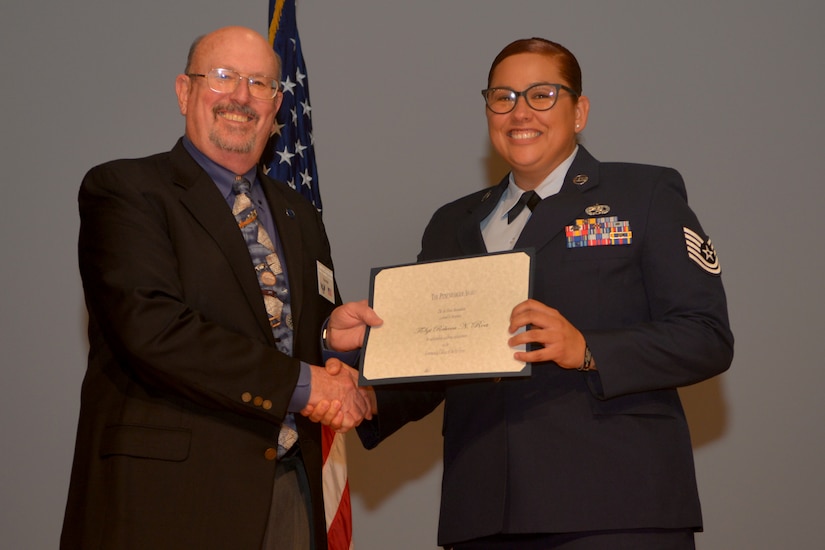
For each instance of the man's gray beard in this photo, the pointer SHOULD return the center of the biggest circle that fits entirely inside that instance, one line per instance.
(232, 147)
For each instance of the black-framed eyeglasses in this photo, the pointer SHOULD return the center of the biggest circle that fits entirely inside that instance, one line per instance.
(225, 81)
(540, 97)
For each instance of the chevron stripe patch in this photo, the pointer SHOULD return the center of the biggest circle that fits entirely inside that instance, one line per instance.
(702, 252)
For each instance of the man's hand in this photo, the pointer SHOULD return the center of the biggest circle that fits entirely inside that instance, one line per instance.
(348, 325)
(335, 399)
(563, 343)
(330, 413)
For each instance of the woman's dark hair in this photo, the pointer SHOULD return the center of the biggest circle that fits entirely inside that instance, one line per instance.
(568, 65)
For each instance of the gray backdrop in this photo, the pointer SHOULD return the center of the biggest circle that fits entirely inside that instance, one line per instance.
(729, 93)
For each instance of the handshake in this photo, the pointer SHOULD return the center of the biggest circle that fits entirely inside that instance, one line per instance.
(335, 398)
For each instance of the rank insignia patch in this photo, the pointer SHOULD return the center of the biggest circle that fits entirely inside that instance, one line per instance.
(702, 252)
(607, 231)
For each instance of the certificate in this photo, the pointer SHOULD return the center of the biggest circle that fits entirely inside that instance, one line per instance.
(446, 320)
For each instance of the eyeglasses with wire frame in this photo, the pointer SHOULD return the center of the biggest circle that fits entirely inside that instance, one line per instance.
(540, 97)
(225, 81)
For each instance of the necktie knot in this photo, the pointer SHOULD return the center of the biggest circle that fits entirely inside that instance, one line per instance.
(242, 209)
(529, 199)
(240, 186)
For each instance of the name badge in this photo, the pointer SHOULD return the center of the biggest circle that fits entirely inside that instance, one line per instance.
(326, 282)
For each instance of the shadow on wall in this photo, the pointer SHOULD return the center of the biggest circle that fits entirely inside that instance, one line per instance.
(404, 457)
(706, 411)
(494, 167)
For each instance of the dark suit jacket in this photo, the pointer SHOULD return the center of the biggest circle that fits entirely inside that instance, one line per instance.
(564, 450)
(185, 390)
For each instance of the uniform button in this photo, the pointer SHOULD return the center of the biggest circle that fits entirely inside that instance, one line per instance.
(270, 453)
(258, 400)
(246, 397)
(267, 404)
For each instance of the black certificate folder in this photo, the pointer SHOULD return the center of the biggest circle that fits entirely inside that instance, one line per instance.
(446, 320)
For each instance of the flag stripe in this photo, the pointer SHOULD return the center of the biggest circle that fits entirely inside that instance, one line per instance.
(337, 506)
(339, 535)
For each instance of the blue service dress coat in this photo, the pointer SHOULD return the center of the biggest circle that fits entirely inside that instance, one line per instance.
(185, 390)
(570, 451)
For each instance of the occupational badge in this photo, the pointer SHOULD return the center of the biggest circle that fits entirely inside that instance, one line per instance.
(597, 210)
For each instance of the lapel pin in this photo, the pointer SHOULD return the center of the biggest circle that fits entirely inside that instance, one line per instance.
(581, 179)
(290, 213)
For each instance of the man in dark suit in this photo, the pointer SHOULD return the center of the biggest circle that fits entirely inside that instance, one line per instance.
(192, 375)
(592, 451)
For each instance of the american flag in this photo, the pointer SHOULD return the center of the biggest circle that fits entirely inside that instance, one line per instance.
(291, 158)
(291, 153)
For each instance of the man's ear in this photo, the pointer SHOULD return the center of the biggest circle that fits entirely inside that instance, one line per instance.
(182, 88)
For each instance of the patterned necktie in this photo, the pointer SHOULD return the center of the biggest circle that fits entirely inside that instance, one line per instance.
(273, 285)
(528, 198)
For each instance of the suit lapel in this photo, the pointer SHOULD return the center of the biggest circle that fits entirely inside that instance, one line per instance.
(469, 230)
(285, 217)
(554, 213)
(200, 196)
